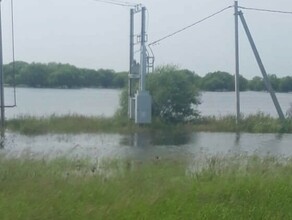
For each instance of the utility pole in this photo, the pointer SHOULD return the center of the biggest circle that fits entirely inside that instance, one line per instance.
(237, 93)
(262, 68)
(130, 78)
(143, 100)
(139, 102)
(134, 71)
(2, 114)
(143, 56)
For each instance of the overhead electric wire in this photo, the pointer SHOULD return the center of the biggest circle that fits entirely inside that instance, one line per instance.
(118, 3)
(189, 26)
(265, 10)
(125, 2)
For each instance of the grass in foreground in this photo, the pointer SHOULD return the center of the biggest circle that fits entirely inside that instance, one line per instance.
(235, 188)
(258, 123)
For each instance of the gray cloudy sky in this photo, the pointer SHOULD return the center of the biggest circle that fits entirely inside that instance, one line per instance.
(95, 35)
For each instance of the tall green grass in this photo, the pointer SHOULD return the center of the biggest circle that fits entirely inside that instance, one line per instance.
(258, 123)
(31, 125)
(68, 124)
(228, 188)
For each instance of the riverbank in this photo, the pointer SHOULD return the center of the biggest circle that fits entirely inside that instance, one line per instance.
(74, 124)
(226, 188)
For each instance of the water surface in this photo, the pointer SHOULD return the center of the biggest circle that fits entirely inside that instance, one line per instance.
(105, 102)
(142, 146)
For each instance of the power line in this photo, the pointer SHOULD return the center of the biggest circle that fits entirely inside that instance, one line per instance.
(189, 26)
(266, 10)
(119, 3)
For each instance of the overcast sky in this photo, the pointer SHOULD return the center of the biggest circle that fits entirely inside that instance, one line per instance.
(91, 34)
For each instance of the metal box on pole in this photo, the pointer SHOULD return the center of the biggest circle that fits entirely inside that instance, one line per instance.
(143, 107)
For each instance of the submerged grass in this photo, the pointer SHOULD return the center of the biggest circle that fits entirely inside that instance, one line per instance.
(258, 123)
(228, 188)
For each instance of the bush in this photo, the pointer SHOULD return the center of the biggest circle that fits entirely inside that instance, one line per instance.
(174, 95)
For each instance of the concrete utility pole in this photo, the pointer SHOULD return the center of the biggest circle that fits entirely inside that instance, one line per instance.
(143, 100)
(237, 88)
(130, 78)
(134, 68)
(139, 105)
(262, 68)
(2, 115)
(143, 56)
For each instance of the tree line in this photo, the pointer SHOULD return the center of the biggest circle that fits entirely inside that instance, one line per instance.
(56, 75)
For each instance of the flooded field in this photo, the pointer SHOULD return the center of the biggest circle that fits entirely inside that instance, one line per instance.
(143, 146)
(104, 102)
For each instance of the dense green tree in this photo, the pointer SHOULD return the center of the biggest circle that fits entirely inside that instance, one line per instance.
(90, 78)
(34, 75)
(106, 78)
(11, 72)
(66, 76)
(217, 81)
(285, 84)
(243, 83)
(174, 94)
(275, 82)
(256, 84)
(120, 80)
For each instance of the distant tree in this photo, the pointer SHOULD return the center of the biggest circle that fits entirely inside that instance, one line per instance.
(106, 78)
(90, 78)
(285, 84)
(256, 84)
(197, 80)
(275, 82)
(120, 80)
(65, 76)
(218, 81)
(34, 75)
(12, 71)
(243, 83)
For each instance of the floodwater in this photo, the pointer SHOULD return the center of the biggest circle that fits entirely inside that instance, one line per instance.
(104, 102)
(46, 102)
(142, 146)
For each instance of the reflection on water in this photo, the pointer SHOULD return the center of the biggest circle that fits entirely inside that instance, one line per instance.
(145, 139)
(147, 145)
